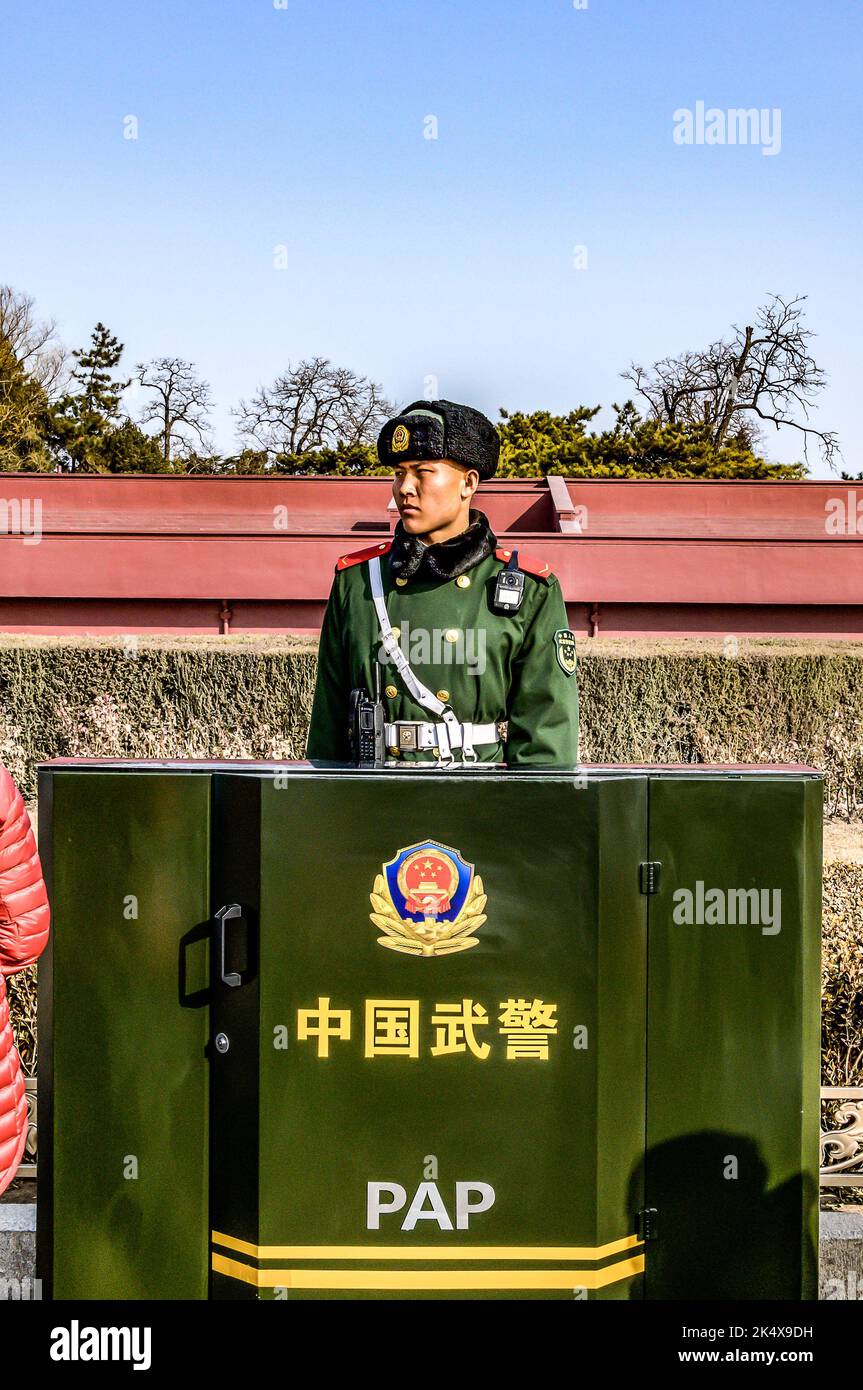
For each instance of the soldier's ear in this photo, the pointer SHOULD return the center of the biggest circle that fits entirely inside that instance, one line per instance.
(470, 482)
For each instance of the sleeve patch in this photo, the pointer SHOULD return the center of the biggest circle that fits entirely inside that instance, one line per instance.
(564, 650)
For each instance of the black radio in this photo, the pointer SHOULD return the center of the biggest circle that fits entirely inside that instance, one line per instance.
(366, 715)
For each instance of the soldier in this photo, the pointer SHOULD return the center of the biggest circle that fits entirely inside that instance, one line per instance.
(468, 633)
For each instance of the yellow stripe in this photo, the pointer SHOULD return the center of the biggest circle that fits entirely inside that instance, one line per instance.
(426, 1252)
(429, 1278)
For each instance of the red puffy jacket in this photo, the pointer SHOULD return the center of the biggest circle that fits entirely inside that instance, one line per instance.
(24, 919)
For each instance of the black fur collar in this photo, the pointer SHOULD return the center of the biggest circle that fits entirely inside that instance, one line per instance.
(410, 556)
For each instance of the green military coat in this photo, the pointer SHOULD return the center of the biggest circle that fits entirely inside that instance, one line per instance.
(487, 666)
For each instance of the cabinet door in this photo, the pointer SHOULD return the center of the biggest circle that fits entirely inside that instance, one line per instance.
(123, 1027)
(432, 1018)
(733, 1046)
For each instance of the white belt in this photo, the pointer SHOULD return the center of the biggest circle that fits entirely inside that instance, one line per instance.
(409, 734)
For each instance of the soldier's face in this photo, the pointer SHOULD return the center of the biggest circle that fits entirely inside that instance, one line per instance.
(432, 494)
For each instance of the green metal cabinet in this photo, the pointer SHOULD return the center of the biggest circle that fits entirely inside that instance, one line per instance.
(123, 1027)
(733, 1037)
(328, 1033)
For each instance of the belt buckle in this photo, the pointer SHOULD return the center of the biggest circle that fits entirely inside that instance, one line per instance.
(409, 735)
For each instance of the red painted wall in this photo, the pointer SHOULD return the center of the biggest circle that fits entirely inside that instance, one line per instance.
(154, 554)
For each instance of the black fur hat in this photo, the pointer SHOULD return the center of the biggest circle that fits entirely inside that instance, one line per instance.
(441, 430)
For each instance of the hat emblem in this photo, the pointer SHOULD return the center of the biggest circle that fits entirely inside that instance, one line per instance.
(401, 438)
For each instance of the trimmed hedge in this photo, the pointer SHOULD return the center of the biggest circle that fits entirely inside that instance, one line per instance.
(151, 701)
(640, 702)
(842, 976)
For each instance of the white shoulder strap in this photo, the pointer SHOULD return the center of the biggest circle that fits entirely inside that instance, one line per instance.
(420, 692)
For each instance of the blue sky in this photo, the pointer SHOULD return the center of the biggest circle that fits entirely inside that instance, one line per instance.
(407, 257)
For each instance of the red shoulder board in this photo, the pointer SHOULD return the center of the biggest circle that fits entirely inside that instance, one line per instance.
(356, 557)
(531, 564)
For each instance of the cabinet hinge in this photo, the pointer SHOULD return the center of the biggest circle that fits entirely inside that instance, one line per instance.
(646, 1223)
(648, 873)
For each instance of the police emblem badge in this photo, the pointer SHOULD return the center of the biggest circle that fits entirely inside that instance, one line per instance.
(564, 646)
(428, 901)
(401, 438)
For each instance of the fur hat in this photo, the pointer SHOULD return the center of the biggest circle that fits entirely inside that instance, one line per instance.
(441, 430)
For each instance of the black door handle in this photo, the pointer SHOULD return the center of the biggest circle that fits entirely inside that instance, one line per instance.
(223, 915)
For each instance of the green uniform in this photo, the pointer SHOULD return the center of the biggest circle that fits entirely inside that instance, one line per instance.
(518, 667)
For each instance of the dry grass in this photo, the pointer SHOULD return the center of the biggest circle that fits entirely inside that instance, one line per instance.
(599, 646)
(843, 840)
(232, 642)
(725, 646)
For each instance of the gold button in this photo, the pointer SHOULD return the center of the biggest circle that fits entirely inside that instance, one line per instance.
(436, 752)
(442, 695)
(397, 632)
(394, 751)
(401, 582)
(391, 691)
(451, 635)
(463, 581)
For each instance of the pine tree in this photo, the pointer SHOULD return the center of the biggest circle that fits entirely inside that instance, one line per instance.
(100, 394)
(85, 419)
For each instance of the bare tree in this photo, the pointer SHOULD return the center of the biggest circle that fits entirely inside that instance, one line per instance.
(764, 375)
(313, 406)
(32, 345)
(180, 406)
